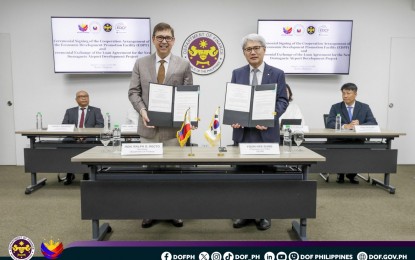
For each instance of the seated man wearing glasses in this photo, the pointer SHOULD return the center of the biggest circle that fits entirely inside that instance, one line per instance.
(164, 68)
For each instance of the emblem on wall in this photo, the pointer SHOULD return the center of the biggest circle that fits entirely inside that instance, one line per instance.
(205, 52)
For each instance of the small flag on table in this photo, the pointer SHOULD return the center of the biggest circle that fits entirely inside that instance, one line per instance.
(184, 133)
(212, 135)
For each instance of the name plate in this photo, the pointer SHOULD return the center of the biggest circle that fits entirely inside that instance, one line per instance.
(303, 128)
(141, 149)
(367, 128)
(259, 148)
(61, 128)
(128, 128)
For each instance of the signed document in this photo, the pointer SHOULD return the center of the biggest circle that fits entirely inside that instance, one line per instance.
(250, 106)
(160, 98)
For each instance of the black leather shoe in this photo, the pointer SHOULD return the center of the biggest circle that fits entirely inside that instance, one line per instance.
(352, 178)
(146, 223)
(85, 177)
(240, 222)
(177, 222)
(354, 181)
(69, 178)
(340, 178)
(264, 224)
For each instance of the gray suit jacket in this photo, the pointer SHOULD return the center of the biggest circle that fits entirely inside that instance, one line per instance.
(144, 73)
(93, 117)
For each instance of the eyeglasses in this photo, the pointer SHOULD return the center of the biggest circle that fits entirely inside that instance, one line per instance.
(82, 96)
(162, 38)
(255, 49)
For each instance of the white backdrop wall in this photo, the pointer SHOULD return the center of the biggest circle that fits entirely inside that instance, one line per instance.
(37, 88)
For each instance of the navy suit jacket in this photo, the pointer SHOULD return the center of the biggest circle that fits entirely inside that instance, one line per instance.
(270, 75)
(361, 112)
(93, 117)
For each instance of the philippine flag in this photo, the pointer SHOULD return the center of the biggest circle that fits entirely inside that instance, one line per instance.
(184, 133)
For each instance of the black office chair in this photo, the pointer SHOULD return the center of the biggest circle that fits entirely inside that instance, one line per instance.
(325, 117)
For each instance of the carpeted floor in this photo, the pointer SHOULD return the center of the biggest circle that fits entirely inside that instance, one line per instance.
(344, 212)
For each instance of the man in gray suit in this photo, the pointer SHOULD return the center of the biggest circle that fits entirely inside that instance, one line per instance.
(82, 116)
(164, 68)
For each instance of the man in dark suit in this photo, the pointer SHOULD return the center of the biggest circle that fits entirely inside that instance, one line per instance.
(162, 67)
(352, 113)
(82, 116)
(257, 72)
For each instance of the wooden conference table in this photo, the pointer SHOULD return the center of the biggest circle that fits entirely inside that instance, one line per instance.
(204, 186)
(48, 154)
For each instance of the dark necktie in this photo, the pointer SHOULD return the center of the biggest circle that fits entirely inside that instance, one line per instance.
(254, 77)
(81, 122)
(349, 109)
(161, 73)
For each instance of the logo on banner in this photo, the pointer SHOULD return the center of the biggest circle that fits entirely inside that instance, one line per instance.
(205, 52)
(95, 27)
(21, 248)
(311, 29)
(83, 27)
(107, 27)
(51, 249)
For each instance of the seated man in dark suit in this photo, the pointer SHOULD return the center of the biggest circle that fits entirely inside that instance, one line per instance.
(257, 72)
(82, 116)
(352, 113)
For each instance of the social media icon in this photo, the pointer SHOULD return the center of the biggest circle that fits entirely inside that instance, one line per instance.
(269, 256)
(281, 256)
(166, 256)
(293, 256)
(203, 256)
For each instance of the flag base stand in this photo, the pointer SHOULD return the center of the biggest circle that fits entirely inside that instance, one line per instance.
(190, 154)
(221, 154)
(222, 149)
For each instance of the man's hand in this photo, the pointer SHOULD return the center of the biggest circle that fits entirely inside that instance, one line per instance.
(145, 118)
(261, 128)
(236, 125)
(351, 125)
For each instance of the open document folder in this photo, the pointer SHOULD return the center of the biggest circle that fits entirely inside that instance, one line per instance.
(250, 105)
(168, 104)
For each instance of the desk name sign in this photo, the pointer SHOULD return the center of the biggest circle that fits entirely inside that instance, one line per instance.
(259, 148)
(303, 128)
(128, 128)
(367, 128)
(142, 149)
(61, 128)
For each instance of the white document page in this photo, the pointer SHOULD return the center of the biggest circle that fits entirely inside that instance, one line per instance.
(182, 101)
(238, 97)
(263, 107)
(160, 98)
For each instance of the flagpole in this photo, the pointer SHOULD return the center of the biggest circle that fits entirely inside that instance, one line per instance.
(221, 149)
(191, 148)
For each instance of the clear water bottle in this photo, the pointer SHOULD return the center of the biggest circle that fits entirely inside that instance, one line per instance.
(338, 125)
(107, 122)
(287, 141)
(39, 124)
(116, 139)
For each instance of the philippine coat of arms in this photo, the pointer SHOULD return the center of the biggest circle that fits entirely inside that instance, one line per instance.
(205, 52)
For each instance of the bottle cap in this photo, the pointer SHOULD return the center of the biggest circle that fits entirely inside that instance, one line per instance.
(107, 114)
(116, 125)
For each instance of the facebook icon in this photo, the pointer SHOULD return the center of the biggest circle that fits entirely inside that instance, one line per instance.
(166, 256)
